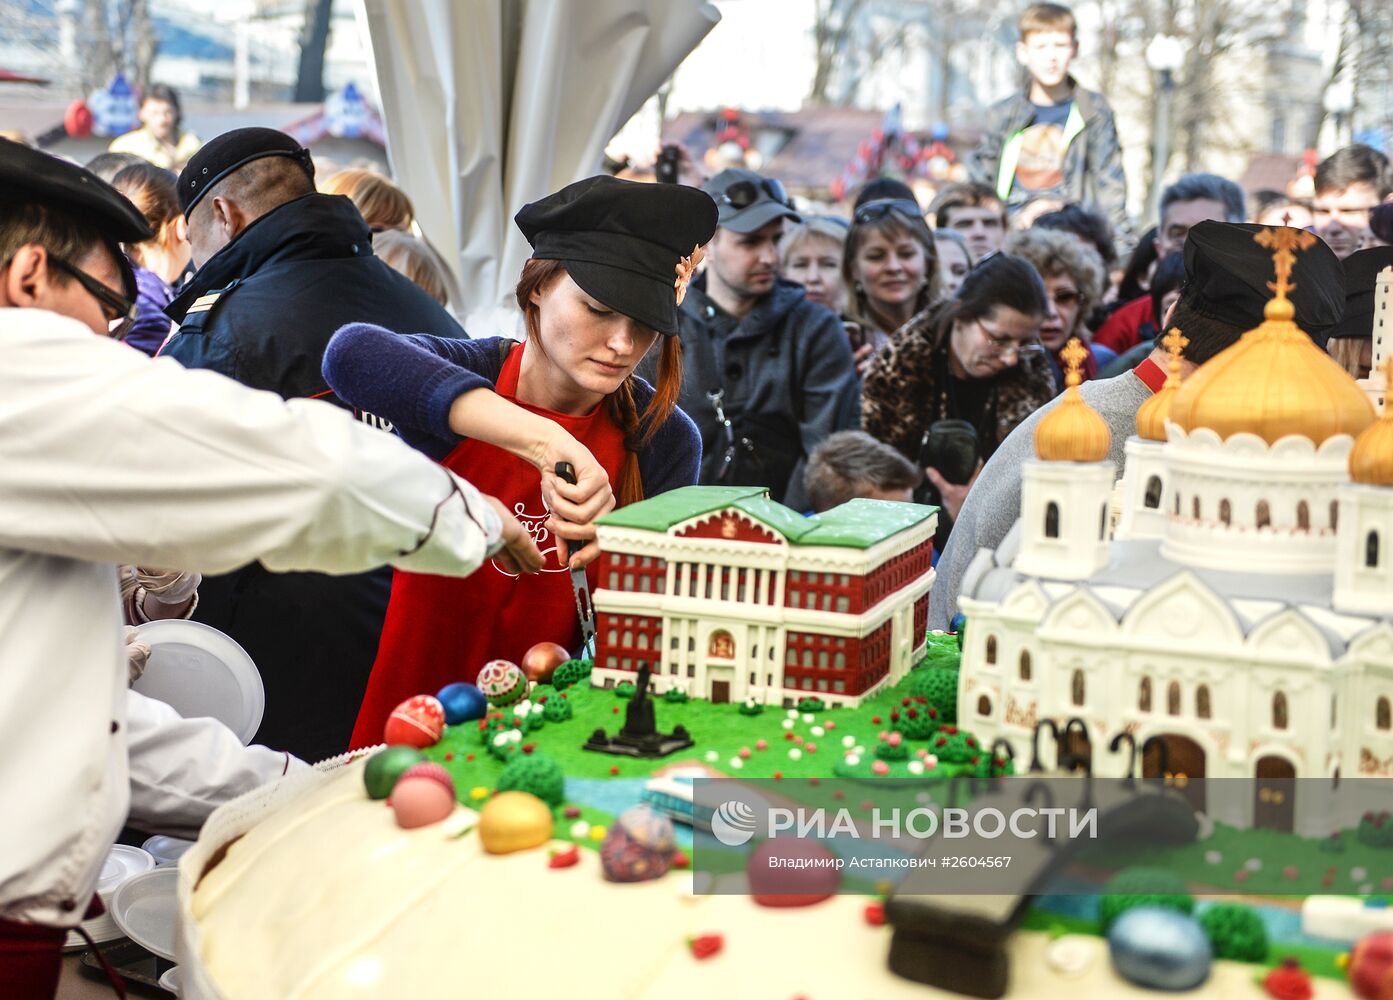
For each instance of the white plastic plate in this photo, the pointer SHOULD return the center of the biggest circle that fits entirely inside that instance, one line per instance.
(170, 981)
(146, 908)
(167, 850)
(122, 863)
(201, 672)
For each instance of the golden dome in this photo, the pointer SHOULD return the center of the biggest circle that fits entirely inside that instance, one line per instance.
(1072, 431)
(1152, 415)
(1371, 459)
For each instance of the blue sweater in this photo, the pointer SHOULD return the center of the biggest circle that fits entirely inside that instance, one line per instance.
(414, 380)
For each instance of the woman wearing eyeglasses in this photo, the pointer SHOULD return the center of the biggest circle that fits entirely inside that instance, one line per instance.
(890, 265)
(974, 358)
(1073, 275)
(611, 262)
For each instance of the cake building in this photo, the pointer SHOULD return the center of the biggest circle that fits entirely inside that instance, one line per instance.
(1240, 616)
(728, 595)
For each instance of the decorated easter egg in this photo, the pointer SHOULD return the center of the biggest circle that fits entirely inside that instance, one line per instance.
(463, 702)
(639, 846)
(1159, 949)
(514, 821)
(541, 661)
(796, 882)
(502, 682)
(416, 722)
(383, 769)
(423, 795)
(1371, 967)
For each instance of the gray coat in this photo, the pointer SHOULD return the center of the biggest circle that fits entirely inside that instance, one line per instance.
(787, 378)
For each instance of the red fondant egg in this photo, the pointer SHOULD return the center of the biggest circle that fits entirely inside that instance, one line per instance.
(541, 661)
(1371, 967)
(425, 794)
(416, 722)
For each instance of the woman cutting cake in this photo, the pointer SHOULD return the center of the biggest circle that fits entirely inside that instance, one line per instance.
(610, 263)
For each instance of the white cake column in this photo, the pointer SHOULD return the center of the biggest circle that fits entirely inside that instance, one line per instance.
(1064, 506)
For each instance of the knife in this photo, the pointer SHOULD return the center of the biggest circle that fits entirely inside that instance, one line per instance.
(580, 586)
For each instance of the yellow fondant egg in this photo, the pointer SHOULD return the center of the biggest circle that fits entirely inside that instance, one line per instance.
(514, 821)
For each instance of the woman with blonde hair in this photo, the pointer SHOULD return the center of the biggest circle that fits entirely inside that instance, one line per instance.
(419, 261)
(160, 261)
(383, 205)
(810, 254)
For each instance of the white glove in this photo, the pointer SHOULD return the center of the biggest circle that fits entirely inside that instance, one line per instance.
(169, 587)
(137, 653)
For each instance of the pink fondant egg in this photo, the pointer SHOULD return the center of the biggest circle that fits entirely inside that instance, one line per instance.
(416, 722)
(425, 794)
(502, 682)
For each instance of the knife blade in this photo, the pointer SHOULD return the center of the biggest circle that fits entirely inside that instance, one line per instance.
(580, 585)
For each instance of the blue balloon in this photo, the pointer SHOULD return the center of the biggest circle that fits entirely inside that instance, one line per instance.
(1159, 949)
(462, 702)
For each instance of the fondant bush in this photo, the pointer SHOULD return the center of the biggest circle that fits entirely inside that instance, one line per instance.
(1376, 830)
(810, 705)
(1134, 887)
(569, 673)
(558, 708)
(1334, 844)
(893, 747)
(624, 689)
(751, 707)
(915, 717)
(675, 696)
(537, 774)
(953, 746)
(989, 767)
(1236, 932)
(939, 686)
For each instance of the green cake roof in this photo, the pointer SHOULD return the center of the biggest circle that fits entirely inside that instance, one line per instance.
(857, 524)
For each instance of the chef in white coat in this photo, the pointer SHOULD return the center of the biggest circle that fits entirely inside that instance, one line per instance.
(107, 457)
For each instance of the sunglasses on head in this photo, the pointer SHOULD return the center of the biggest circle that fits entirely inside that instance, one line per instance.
(120, 311)
(881, 207)
(743, 194)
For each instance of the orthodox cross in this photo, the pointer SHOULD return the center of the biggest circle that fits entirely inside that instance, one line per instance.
(1073, 356)
(1284, 241)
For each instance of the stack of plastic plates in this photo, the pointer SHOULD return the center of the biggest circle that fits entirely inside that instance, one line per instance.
(167, 850)
(146, 908)
(122, 863)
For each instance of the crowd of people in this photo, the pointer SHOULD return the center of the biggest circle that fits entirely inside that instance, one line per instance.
(387, 512)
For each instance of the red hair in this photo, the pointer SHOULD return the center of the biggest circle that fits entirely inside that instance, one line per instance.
(638, 428)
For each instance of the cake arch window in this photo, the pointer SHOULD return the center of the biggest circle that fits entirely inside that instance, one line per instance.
(1195, 508)
(1025, 664)
(1177, 504)
(1103, 522)
(1334, 514)
(984, 706)
(1076, 688)
(1303, 516)
(1371, 549)
(1173, 698)
(991, 649)
(1279, 711)
(1152, 498)
(1383, 714)
(1052, 520)
(1264, 515)
(1203, 709)
(1144, 695)
(1225, 511)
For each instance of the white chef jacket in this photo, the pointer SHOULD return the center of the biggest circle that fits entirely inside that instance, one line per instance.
(183, 769)
(109, 457)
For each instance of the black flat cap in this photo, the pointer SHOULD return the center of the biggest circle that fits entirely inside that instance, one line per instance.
(1361, 273)
(232, 151)
(1227, 275)
(34, 176)
(625, 243)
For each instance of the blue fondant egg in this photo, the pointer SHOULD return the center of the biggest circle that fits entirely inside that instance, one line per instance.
(463, 702)
(1159, 949)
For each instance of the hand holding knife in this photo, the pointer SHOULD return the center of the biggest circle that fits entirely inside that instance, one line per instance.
(580, 586)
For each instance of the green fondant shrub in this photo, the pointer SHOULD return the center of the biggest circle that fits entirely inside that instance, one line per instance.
(915, 718)
(624, 689)
(810, 705)
(676, 696)
(558, 709)
(1133, 887)
(1334, 844)
(1236, 932)
(1375, 830)
(939, 687)
(885, 750)
(570, 673)
(537, 774)
(953, 746)
(987, 767)
(751, 707)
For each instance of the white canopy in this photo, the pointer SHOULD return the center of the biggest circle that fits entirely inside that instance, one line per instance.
(490, 104)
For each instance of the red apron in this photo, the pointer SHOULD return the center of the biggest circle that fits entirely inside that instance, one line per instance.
(442, 629)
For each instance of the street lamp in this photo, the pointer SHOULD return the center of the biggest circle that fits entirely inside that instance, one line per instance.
(1164, 54)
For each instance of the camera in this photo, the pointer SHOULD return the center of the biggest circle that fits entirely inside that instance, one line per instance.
(666, 168)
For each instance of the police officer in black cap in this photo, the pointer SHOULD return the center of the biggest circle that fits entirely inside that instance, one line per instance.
(107, 457)
(1223, 297)
(1351, 340)
(280, 268)
(611, 263)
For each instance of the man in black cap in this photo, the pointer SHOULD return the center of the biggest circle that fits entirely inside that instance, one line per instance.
(1351, 341)
(1223, 297)
(107, 457)
(280, 268)
(768, 373)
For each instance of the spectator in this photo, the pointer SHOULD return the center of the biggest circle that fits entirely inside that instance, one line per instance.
(1349, 182)
(418, 260)
(1381, 224)
(1025, 216)
(768, 373)
(975, 211)
(1088, 226)
(811, 256)
(852, 464)
(159, 261)
(1224, 295)
(1194, 198)
(1136, 276)
(975, 358)
(108, 165)
(161, 139)
(1351, 341)
(382, 204)
(1054, 137)
(954, 260)
(1074, 281)
(890, 266)
(882, 189)
(1276, 208)
(1164, 292)
(280, 268)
